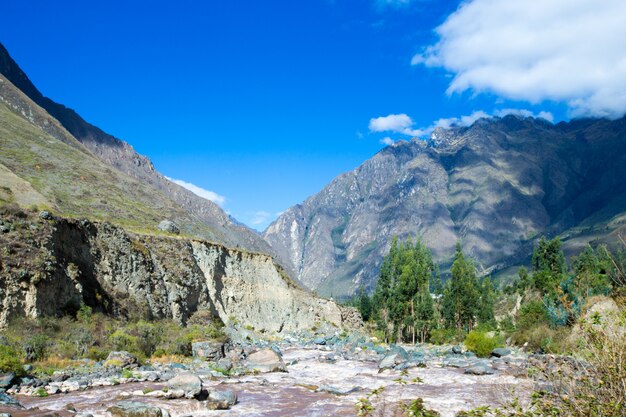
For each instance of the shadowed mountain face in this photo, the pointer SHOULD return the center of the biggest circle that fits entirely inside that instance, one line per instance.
(496, 185)
(123, 157)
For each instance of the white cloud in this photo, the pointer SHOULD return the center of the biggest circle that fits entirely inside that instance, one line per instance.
(201, 192)
(392, 123)
(525, 113)
(462, 121)
(569, 51)
(259, 217)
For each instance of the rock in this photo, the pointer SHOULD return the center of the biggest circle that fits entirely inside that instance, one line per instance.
(337, 391)
(500, 352)
(169, 226)
(5, 415)
(191, 384)
(45, 215)
(457, 350)
(265, 360)
(122, 359)
(4, 229)
(454, 362)
(479, 369)
(6, 399)
(83, 415)
(320, 341)
(136, 409)
(393, 358)
(225, 364)
(6, 379)
(221, 400)
(212, 351)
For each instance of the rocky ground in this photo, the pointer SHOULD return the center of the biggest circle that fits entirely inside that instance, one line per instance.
(295, 377)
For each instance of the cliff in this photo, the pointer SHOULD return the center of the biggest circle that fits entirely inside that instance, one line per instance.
(50, 265)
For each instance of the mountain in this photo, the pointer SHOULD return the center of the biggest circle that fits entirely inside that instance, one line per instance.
(76, 228)
(496, 185)
(216, 224)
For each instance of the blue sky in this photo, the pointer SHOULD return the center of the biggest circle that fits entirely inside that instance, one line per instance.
(264, 103)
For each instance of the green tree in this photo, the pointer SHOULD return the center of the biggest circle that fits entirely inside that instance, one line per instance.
(401, 310)
(461, 295)
(485, 313)
(549, 267)
(364, 304)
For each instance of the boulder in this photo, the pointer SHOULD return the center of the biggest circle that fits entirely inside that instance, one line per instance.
(221, 400)
(211, 351)
(320, 341)
(136, 409)
(337, 391)
(265, 360)
(480, 369)
(191, 384)
(6, 399)
(169, 227)
(457, 350)
(6, 379)
(393, 358)
(122, 359)
(500, 352)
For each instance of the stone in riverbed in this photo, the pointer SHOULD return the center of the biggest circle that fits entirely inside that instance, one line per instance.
(393, 359)
(6, 379)
(480, 369)
(337, 391)
(211, 351)
(136, 409)
(191, 384)
(221, 400)
(265, 360)
(6, 399)
(122, 359)
(500, 352)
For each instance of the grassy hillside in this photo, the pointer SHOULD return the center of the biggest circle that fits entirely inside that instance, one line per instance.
(71, 181)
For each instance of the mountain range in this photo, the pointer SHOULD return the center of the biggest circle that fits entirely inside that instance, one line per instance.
(496, 186)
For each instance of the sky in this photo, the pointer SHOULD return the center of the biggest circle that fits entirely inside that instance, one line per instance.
(258, 105)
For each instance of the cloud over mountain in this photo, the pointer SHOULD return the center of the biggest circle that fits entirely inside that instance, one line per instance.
(569, 51)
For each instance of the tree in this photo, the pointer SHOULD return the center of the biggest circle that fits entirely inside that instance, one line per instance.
(549, 267)
(402, 293)
(364, 304)
(487, 299)
(461, 295)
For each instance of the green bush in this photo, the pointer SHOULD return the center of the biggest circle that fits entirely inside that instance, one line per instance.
(531, 314)
(446, 336)
(36, 348)
(482, 343)
(9, 361)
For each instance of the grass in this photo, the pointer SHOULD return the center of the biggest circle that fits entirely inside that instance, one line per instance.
(78, 185)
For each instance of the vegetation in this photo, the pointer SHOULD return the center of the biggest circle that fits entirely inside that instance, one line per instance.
(50, 343)
(404, 308)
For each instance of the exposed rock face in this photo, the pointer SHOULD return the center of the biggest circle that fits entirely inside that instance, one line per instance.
(156, 277)
(496, 185)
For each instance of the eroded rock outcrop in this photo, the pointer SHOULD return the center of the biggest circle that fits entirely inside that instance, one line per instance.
(122, 273)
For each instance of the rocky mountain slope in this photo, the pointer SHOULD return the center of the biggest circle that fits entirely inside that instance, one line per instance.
(120, 155)
(51, 265)
(496, 185)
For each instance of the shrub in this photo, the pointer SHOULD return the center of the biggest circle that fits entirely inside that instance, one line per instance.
(9, 361)
(36, 348)
(482, 343)
(446, 336)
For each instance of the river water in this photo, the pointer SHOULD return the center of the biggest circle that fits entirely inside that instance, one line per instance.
(294, 393)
